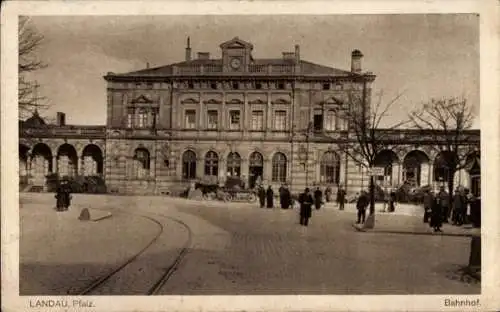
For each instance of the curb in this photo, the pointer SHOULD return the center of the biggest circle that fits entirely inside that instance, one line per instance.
(361, 229)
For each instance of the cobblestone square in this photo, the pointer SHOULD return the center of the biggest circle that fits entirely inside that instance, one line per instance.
(234, 249)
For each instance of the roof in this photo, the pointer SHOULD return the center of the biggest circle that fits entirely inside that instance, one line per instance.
(34, 121)
(307, 68)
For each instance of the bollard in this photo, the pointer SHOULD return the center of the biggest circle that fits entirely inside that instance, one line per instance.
(84, 215)
(475, 252)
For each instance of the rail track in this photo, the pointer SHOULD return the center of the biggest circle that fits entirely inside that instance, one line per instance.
(100, 281)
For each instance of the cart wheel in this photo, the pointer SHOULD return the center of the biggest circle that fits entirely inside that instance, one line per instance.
(252, 198)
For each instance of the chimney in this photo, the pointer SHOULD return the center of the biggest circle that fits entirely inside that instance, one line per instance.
(203, 55)
(356, 57)
(61, 119)
(297, 53)
(188, 50)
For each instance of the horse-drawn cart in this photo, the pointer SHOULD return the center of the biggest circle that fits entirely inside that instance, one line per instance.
(232, 190)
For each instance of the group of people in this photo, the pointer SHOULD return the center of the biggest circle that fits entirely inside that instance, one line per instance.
(306, 200)
(439, 209)
(63, 196)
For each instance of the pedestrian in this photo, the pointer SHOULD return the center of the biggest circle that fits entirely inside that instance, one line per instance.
(392, 201)
(270, 197)
(466, 204)
(318, 198)
(328, 194)
(444, 200)
(341, 198)
(67, 195)
(428, 202)
(60, 197)
(306, 202)
(458, 207)
(436, 216)
(285, 197)
(361, 205)
(262, 196)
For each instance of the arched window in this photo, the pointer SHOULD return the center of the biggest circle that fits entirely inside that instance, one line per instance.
(141, 162)
(211, 164)
(279, 168)
(188, 165)
(330, 168)
(234, 164)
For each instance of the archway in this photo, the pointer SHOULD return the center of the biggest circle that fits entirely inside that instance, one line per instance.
(234, 164)
(416, 168)
(92, 160)
(388, 160)
(443, 167)
(67, 161)
(189, 165)
(473, 168)
(41, 163)
(255, 168)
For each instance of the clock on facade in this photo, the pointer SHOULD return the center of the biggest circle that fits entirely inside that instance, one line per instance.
(235, 63)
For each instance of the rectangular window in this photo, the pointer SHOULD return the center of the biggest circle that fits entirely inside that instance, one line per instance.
(326, 86)
(235, 85)
(234, 120)
(257, 120)
(130, 118)
(142, 119)
(212, 119)
(318, 120)
(258, 86)
(213, 85)
(280, 120)
(190, 119)
(331, 120)
(281, 85)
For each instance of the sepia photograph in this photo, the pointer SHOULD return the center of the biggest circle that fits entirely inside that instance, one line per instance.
(273, 155)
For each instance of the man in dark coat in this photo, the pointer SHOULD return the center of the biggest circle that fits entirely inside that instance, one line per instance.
(361, 205)
(341, 198)
(285, 197)
(428, 202)
(436, 216)
(444, 201)
(318, 198)
(60, 198)
(392, 201)
(262, 196)
(270, 197)
(306, 202)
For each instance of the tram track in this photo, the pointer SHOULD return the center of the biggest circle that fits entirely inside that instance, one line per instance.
(99, 282)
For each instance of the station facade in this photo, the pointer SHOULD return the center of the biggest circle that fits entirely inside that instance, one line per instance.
(278, 120)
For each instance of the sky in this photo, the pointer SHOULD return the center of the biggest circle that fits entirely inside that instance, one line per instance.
(421, 56)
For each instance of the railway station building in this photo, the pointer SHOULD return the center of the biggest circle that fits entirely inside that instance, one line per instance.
(278, 120)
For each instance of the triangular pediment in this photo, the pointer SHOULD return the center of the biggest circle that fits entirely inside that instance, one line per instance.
(281, 101)
(257, 101)
(234, 101)
(189, 101)
(142, 99)
(212, 101)
(333, 100)
(236, 43)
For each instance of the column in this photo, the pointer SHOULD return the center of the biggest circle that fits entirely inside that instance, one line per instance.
(54, 164)
(201, 113)
(222, 169)
(431, 174)
(244, 171)
(267, 174)
(268, 113)
(152, 167)
(400, 172)
(245, 113)
(78, 170)
(200, 167)
(424, 173)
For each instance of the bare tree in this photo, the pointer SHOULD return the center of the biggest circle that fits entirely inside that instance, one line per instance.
(29, 42)
(365, 139)
(450, 119)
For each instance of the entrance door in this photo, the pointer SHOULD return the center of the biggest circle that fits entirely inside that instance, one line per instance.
(255, 172)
